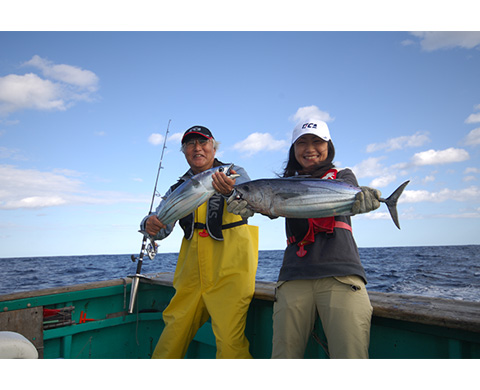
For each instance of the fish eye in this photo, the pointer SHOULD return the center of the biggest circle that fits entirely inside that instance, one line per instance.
(246, 188)
(220, 169)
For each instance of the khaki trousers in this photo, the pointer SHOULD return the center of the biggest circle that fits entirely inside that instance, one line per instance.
(344, 309)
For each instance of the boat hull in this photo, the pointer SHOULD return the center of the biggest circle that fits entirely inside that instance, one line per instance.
(92, 323)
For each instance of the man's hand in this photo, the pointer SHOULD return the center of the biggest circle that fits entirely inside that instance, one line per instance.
(153, 226)
(223, 183)
(239, 207)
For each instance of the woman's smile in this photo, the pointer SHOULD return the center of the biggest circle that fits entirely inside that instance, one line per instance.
(310, 151)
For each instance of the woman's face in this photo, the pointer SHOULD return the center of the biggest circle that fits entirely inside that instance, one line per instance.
(310, 151)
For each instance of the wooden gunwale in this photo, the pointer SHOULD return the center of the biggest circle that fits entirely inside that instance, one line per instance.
(440, 312)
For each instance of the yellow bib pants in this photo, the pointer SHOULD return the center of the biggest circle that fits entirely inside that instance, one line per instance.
(212, 279)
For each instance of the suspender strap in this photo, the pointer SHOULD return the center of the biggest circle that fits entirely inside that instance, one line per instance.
(235, 224)
(199, 225)
(338, 225)
(343, 225)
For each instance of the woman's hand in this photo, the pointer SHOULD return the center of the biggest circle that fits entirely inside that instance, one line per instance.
(366, 200)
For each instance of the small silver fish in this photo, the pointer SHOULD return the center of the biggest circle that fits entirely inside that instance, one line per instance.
(190, 195)
(299, 197)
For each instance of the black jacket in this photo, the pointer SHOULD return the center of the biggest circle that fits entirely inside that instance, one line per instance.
(332, 254)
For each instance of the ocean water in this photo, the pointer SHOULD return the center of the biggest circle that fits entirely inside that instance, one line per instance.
(451, 272)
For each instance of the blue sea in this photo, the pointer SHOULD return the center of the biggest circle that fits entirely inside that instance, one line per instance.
(451, 272)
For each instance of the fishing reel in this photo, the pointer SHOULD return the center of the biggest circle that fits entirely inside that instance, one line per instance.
(151, 250)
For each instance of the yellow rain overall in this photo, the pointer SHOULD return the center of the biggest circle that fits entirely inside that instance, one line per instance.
(212, 279)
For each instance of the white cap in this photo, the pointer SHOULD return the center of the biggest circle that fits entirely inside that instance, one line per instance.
(311, 126)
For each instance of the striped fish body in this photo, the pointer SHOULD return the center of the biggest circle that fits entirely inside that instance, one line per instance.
(188, 196)
(296, 197)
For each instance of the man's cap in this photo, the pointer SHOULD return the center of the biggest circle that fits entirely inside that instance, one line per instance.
(197, 130)
(311, 126)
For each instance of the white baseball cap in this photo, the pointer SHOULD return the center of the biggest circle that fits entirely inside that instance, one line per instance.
(311, 126)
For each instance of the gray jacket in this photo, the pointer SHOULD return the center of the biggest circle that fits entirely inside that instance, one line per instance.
(164, 233)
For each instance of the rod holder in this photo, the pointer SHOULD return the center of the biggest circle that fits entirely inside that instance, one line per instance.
(133, 293)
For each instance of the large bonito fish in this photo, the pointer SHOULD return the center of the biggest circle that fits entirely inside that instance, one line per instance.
(298, 197)
(189, 195)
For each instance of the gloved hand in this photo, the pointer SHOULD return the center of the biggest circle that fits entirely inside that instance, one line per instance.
(366, 200)
(239, 207)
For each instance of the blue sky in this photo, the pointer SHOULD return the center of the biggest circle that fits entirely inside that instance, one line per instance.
(83, 115)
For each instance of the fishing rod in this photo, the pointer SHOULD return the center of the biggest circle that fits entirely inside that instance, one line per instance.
(151, 249)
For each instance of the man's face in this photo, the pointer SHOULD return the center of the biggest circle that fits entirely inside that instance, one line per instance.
(199, 153)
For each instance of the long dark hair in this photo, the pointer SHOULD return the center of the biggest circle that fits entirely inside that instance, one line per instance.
(292, 166)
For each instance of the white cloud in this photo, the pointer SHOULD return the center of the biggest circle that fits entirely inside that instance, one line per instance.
(407, 42)
(7, 122)
(33, 189)
(473, 118)
(411, 215)
(62, 86)
(472, 170)
(464, 195)
(428, 179)
(257, 142)
(473, 138)
(68, 74)
(29, 92)
(408, 141)
(433, 157)
(383, 176)
(35, 202)
(369, 167)
(311, 112)
(435, 40)
(156, 139)
(14, 154)
(175, 137)
(383, 181)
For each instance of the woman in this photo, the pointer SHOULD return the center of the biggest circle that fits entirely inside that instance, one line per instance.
(321, 270)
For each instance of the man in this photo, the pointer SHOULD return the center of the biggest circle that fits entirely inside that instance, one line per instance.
(217, 263)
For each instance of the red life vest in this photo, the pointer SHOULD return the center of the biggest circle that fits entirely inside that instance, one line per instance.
(317, 225)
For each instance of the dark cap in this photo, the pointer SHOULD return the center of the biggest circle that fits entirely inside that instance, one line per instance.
(197, 130)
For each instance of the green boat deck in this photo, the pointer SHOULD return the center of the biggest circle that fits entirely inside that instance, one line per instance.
(91, 322)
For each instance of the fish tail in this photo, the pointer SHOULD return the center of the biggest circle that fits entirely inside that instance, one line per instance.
(391, 203)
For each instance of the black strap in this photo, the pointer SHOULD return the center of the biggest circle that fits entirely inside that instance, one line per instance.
(235, 224)
(199, 225)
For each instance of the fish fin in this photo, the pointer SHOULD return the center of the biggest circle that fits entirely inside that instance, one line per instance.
(195, 182)
(391, 203)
